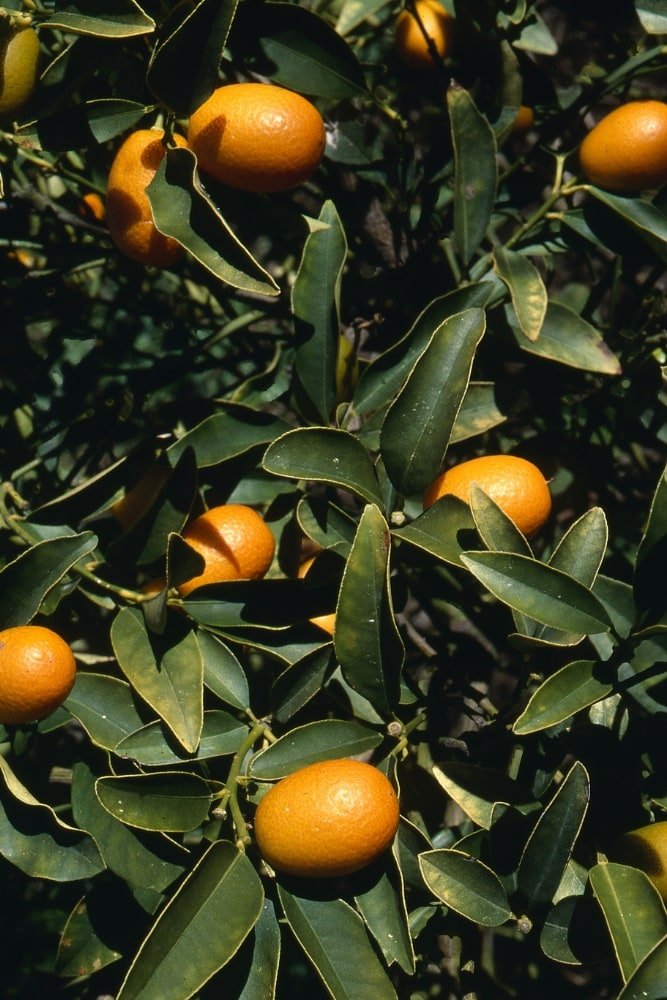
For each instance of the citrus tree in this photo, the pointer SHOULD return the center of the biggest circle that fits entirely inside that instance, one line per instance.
(273, 275)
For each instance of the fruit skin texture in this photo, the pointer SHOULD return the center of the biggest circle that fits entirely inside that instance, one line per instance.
(92, 205)
(524, 121)
(627, 150)
(257, 137)
(19, 60)
(327, 819)
(411, 46)
(646, 849)
(129, 214)
(325, 622)
(235, 542)
(516, 485)
(37, 672)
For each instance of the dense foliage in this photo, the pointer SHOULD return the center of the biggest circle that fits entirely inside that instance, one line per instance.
(442, 287)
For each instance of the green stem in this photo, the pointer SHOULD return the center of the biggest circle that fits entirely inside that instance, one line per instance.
(238, 819)
(408, 728)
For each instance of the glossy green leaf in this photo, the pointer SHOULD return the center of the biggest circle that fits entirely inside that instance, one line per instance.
(199, 930)
(478, 414)
(648, 582)
(300, 50)
(633, 911)
(538, 591)
(466, 885)
(326, 739)
(223, 674)
(143, 863)
(326, 524)
(294, 688)
(574, 687)
(168, 801)
(37, 842)
(232, 432)
(536, 37)
(644, 218)
(366, 639)
(550, 845)
(166, 671)
(382, 380)
(263, 971)
(618, 601)
(478, 790)
(110, 117)
(568, 338)
(82, 951)
(526, 287)
(445, 530)
(649, 980)
(316, 310)
(417, 428)
(26, 581)
(183, 210)
(653, 16)
(116, 19)
(194, 36)
(382, 906)
(324, 455)
(475, 173)
(105, 708)
(153, 746)
(333, 937)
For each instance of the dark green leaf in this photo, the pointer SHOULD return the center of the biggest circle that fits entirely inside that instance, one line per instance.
(169, 801)
(294, 688)
(418, 425)
(466, 885)
(478, 790)
(194, 36)
(25, 582)
(649, 980)
(183, 210)
(545, 594)
(263, 972)
(382, 905)
(233, 432)
(572, 688)
(105, 708)
(445, 530)
(652, 552)
(550, 844)
(327, 739)
(152, 746)
(529, 296)
(476, 172)
(326, 524)
(641, 216)
(653, 16)
(567, 337)
(200, 929)
(333, 937)
(316, 309)
(478, 413)
(366, 639)
(81, 951)
(223, 674)
(324, 455)
(110, 19)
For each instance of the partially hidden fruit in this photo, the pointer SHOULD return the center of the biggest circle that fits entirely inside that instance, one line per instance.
(516, 485)
(93, 206)
(131, 507)
(325, 622)
(411, 46)
(327, 819)
(523, 121)
(129, 215)
(257, 137)
(19, 62)
(235, 543)
(37, 672)
(646, 849)
(627, 150)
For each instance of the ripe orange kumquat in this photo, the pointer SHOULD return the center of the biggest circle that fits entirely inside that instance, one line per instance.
(627, 150)
(411, 44)
(37, 673)
(235, 543)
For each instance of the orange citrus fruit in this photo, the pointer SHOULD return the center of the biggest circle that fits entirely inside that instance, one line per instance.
(524, 120)
(37, 672)
(129, 213)
(646, 849)
(131, 507)
(516, 485)
(19, 61)
(627, 150)
(235, 542)
(257, 137)
(411, 45)
(327, 819)
(325, 622)
(92, 205)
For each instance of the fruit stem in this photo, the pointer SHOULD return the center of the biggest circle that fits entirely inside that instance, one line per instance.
(243, 837)
(409, 727)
